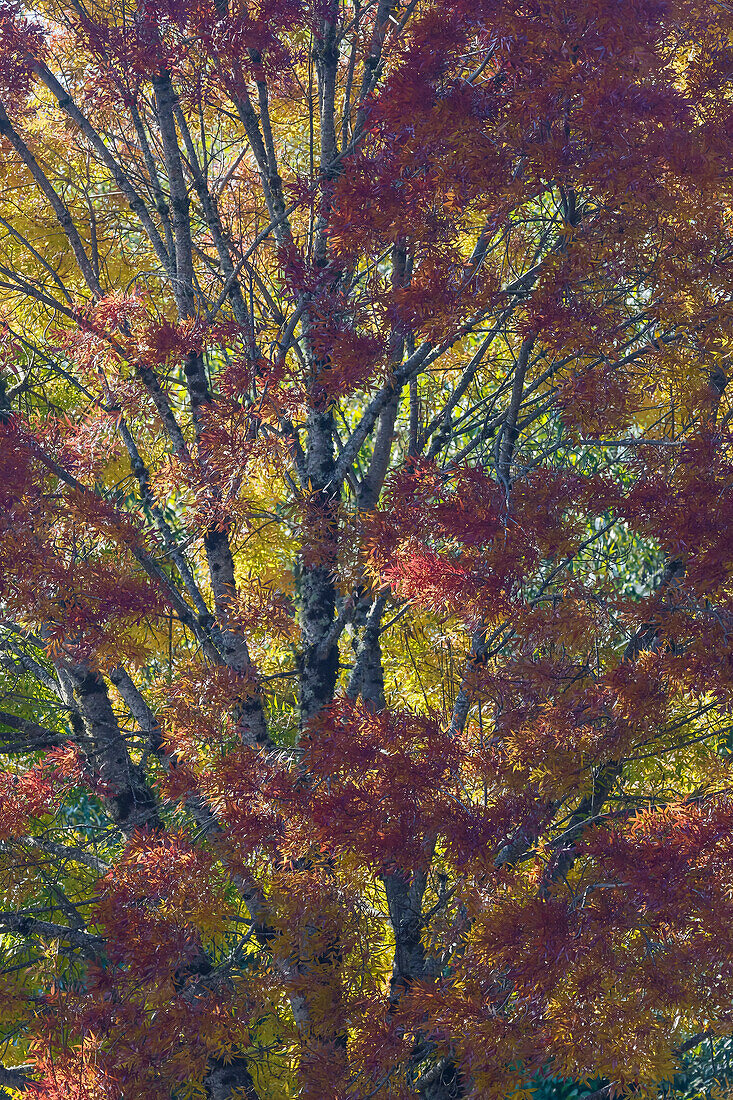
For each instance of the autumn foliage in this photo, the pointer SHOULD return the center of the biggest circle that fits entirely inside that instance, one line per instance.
(366, 546)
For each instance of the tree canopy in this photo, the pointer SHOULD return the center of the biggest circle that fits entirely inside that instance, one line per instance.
(366, 546)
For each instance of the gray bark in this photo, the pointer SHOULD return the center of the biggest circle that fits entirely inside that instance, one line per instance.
(319, 663)
(367, 675)
(30, 736)
(225, 1079)
(128, 797)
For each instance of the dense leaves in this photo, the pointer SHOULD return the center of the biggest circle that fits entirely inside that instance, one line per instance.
(366, 564)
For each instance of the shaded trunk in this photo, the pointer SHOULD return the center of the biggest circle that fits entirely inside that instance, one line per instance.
(404, 889)
(226, 1080)
(320, 657)
(129, 799)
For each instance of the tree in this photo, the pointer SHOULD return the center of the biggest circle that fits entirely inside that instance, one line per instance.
(366, 478)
